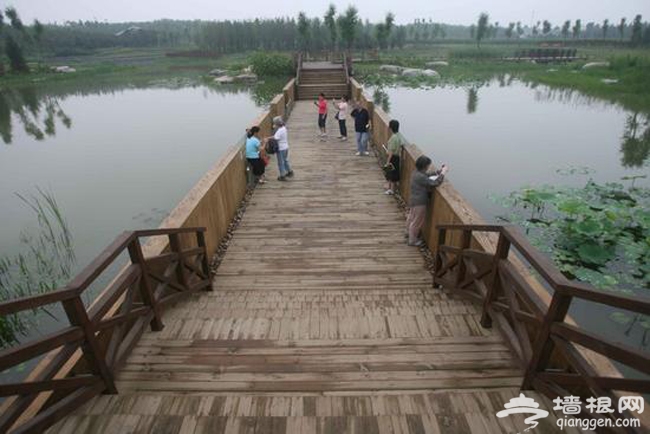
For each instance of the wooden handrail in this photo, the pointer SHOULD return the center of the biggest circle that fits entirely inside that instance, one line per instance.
(105, 332)
(548, 345)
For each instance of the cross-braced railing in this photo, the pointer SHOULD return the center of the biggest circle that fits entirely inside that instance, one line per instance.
(560, 358)
(79, 360)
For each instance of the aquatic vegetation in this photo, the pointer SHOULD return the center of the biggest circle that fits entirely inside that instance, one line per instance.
(598, 234)
(43, 264)
(271, 64)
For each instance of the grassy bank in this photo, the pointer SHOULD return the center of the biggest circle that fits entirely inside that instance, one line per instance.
(469, 65)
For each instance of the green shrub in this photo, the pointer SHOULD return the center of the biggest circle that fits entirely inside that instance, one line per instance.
(271, 64)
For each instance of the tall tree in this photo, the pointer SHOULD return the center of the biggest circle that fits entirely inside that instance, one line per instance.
(536, 28)
(621, 28)
(472, 31)
(330, 23)
(565, 29)
(382, 30)
(577, 28)
(303, 31)
(637, 31)
(348, 26)
(520, 29)
(482, 28)
(510, 30)
(605, 28)
(546, 27)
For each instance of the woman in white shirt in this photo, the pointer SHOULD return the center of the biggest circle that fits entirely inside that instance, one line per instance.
(342, 115)
(283, 149)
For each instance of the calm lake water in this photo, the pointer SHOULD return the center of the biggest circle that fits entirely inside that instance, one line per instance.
(506, 135)
(126, 159)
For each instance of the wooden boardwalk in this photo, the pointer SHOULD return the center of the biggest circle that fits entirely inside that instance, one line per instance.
(322, 320)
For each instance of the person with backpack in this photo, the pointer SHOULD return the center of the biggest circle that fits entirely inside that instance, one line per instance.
(281, 138)
(322, 114)
(393, 149)
(422, 185)
(361, 125)
(341, 116)
(254, 154)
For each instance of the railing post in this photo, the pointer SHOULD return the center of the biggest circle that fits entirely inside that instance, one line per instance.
(146, 289)
(175, 244)
(543, 345)
(465, 241)
(503, 247)
(437, 264)
(77, 315)
(205, 266)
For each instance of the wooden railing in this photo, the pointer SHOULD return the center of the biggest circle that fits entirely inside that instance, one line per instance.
(549, 345)
(103, 333)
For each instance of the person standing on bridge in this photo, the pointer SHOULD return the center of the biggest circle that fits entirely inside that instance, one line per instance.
(254, 153)
(341, 116)
(282, 137)
(361, 125)
(422, 184)
(393, 148)
(322, 114)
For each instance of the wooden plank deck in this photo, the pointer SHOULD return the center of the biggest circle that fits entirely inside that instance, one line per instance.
(322, 320)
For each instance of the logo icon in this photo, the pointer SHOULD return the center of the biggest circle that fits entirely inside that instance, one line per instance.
(523, 404)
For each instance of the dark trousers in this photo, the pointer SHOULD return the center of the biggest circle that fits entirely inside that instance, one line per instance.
(342, 128)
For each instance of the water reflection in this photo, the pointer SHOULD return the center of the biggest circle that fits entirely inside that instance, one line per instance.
(40, 108)
(37, 114)
(635, 144)
(472, 100)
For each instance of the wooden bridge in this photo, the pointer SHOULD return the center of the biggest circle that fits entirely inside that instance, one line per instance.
(319, 318)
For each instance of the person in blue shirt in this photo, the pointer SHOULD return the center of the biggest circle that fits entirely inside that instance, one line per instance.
(254, 153)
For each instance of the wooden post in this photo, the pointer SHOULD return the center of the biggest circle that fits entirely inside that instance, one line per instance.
(175, 244)
(503, 247)
(205, 266)
(442, 234)
(146, 289)
(543, 345)
(465, 241)
(77, 315)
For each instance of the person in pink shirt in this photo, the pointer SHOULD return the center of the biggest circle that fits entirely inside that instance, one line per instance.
(322, 114)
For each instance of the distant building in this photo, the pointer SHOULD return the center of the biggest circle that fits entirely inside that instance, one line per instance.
(132, 29)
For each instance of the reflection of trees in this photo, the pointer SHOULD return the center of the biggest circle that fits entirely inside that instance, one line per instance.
(37, 113)
(635, 145)
(472, 100)
(380, 97)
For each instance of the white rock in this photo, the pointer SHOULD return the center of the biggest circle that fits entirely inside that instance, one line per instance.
(393, 69)
(224, 80)
(414, 72)
(64, 68)
(437, 63)
(596, 65)
(609, 80)
(430, 73)
(217, 73)
(248, 77)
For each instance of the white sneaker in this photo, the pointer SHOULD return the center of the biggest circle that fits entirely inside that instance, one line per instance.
(358, 154)
(366, 153)
(389, 192)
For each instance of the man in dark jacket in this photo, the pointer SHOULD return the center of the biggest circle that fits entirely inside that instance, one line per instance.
(361, 126)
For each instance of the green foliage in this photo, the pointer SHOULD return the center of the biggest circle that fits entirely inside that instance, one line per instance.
(348, 26)
(482, 28)
(330, 23)
(598, 233)
(271, 64)
(44, 263)
(15, 55)
(637, 32)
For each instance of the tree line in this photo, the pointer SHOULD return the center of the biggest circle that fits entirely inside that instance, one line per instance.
(637, 32)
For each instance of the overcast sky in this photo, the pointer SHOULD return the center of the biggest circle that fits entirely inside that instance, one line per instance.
(451, 11)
